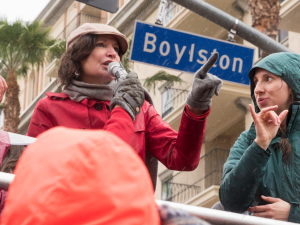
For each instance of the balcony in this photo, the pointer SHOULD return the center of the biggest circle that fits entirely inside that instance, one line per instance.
(171, 11)
(170, 102)
(174, 95)
(183, 186)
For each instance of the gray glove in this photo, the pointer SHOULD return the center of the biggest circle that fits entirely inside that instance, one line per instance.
(129, 94)
(204, 86)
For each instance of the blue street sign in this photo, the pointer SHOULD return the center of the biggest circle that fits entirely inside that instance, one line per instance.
(187, 52)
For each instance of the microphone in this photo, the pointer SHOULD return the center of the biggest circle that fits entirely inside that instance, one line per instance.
(117, 70)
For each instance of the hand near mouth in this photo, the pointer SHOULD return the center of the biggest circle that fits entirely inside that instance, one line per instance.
(266, 123)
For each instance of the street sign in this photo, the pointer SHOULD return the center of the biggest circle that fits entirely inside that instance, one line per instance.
(173, 49)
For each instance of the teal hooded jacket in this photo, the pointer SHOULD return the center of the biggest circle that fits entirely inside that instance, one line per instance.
(250, 167)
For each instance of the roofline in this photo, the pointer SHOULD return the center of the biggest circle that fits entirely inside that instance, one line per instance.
(51, 13)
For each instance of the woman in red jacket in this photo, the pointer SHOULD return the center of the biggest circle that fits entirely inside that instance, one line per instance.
(90, 96)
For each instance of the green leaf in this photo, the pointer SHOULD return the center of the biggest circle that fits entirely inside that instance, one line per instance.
(151, 82)
(56, 49)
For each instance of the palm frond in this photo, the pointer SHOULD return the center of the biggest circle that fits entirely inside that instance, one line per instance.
(22, 70)
(56, 49)
(34, 42)
(4, 72)
(151, 82)
(125, 59)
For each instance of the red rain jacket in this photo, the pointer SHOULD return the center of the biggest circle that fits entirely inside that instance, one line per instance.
(80, 177)
(177, 151)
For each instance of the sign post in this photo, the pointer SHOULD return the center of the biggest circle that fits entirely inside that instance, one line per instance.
(187, 52)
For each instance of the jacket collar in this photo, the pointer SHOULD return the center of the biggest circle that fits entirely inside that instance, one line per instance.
(62, 96)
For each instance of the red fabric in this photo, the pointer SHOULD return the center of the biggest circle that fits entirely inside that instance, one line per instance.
(194, 116)
(120, 123)
(177, 151)
(4, 144)
(80, 177)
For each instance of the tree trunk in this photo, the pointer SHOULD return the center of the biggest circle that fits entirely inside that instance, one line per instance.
(265, 17)
(11, 104)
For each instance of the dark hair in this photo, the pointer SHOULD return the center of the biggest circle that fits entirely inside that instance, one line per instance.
(11, 158)
(286, 149)
(70, 60)
(284, 144)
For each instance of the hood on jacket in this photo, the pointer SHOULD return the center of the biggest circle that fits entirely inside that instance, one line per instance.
(283, 64)
(80, 177)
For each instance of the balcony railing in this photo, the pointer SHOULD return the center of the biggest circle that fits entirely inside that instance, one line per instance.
(77, 21)
(175, 97)
(172, 10)
(184, 185)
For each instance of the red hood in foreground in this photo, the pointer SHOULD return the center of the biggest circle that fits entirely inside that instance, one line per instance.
(80, 177)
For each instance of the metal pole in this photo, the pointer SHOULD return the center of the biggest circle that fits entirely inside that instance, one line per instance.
(217, 217)
(228, 22)
(5, 180)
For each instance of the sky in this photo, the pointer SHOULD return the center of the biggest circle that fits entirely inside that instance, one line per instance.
(27, 10)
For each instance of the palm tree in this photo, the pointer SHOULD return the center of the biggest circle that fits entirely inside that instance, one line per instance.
(22, 46)
(161, 76)
(56, 50)
(265, 17)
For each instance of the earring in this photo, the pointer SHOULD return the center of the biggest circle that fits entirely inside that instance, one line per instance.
(77, 75)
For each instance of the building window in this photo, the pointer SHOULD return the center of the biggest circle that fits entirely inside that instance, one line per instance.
(283, 36)
(167, 189)
(167, 101)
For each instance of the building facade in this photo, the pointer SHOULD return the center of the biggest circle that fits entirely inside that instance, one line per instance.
(229, 116)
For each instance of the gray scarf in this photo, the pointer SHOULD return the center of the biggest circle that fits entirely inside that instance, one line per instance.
(77, 91)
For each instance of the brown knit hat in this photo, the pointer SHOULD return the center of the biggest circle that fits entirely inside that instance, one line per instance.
(97, 28)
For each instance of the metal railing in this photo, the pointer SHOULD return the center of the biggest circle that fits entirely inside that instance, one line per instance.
(217, 217)
(176, 96)
(180, 95)
(213, 216)
(5, 180)
(184, 185)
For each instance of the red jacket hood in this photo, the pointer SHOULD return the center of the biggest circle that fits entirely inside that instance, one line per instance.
(74, 177)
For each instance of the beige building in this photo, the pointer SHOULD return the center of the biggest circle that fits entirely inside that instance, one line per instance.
(229, 116)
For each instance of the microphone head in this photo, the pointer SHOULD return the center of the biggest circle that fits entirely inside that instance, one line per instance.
(111, 66)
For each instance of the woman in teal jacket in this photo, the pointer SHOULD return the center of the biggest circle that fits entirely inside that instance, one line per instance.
(265, 160)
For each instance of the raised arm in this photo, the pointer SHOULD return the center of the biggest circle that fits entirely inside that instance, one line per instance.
(177, 151)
